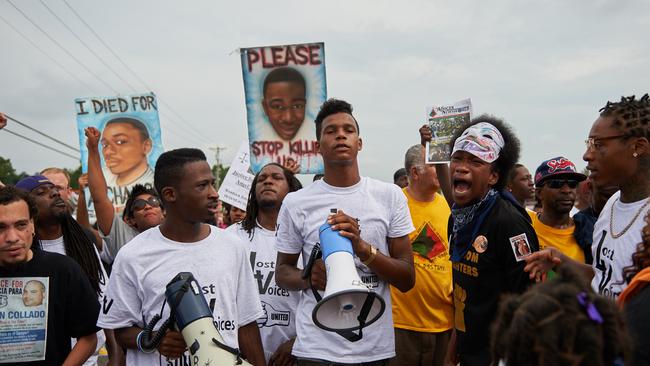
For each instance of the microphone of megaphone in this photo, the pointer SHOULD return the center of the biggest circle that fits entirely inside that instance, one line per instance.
(195, 321)
(348, 304)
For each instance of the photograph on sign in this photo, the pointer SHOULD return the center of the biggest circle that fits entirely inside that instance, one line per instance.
(444, 120)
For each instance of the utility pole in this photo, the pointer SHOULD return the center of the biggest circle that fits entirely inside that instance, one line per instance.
(217, 156)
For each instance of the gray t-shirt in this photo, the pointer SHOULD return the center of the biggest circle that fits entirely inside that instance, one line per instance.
(120, 234)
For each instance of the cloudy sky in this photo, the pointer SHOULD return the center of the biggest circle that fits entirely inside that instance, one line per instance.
(546, 67)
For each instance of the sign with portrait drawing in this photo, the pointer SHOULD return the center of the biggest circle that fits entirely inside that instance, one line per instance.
(130, 140)
(284, 88)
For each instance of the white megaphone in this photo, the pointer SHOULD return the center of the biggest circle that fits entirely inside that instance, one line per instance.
(193, 317)
(348, 304)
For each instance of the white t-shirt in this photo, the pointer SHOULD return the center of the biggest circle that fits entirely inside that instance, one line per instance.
(278, 324)
(383, 213)
(120, 234)
(58, 246)
(611, 255)
(143, 268)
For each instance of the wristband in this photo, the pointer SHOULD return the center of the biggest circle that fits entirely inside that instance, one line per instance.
(373, 255)
(138, 340)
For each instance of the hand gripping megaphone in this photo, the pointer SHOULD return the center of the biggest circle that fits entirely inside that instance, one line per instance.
(348, 305)
(193, 317)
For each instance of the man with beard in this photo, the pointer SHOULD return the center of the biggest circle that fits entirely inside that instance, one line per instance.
(617, 154)
(69, 300)
(141, 211)
(556, 182)
(490, 234)
(218, 261)
(383, 254)
(278, 324)
(58, 232)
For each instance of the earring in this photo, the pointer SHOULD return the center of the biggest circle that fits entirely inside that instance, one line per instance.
(635, 154)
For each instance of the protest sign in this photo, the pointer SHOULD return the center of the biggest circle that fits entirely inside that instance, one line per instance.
(284, 88)
(130, 143)
(444, 120)
(23, 318)
(237, 183)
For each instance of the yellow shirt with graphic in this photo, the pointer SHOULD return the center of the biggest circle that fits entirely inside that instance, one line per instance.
(428, 306)
(562, 239)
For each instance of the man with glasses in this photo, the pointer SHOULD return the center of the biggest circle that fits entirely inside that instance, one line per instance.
(556, 183)
(617, 155)
(141, 211)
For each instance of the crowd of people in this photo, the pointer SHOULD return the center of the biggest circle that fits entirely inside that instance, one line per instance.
(478, 261)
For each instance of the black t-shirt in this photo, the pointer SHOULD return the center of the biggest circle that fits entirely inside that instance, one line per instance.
(72, 306)
(484, 274)
(637, 315)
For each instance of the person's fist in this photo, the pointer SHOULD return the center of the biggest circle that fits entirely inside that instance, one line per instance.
(3, 120)
(92, 137)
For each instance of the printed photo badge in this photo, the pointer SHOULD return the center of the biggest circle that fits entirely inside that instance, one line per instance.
(520, 246)
(480, 244)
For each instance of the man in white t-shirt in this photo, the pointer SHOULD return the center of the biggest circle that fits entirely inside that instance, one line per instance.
(141, 211)
(278, 324)
(58, 232)
(372, 214)
(618, 154)
(183, 243)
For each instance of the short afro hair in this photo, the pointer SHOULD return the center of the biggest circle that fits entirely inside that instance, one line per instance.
(508, 156)
(330, 107)
(284, 74)
(170, 164)
(136, 191)
(135, 123)
(11, 194)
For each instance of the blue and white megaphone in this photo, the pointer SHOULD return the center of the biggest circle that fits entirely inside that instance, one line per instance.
(192, 316)
(348, 304)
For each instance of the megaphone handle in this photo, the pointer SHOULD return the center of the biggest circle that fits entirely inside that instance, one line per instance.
(363, 316)
(225, 347)
(316, 253)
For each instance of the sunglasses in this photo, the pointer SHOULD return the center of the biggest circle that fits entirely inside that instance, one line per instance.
(140, 204)
(559, 183)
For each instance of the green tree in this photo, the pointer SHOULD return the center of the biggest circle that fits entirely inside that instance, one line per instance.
(8, 174)
(223, 170)
(74, 177)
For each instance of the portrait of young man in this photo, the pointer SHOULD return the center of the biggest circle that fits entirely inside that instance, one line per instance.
(125, 146)
(284, 100)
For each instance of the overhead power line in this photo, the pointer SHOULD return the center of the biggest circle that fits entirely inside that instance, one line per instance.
(41, 144)
(127, 67)
(43, 134)
(47, 54)
(62, 48)
(87, 47)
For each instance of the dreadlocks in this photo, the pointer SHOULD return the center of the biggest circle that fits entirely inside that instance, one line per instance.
(253, 207)
(631, 115)
(555, 323)
(79, 247)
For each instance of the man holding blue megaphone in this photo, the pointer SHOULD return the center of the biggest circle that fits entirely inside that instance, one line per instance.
(362, 226)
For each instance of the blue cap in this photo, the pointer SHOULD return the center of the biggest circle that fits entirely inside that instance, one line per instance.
(557, 167)
(32, 182)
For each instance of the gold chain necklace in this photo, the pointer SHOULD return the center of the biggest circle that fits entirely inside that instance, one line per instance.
(611, 219)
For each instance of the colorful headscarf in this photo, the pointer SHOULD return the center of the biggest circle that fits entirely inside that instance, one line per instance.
(482, 140)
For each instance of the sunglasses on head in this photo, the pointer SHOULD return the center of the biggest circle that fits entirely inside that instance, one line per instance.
(140, 204)
(559, 183)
